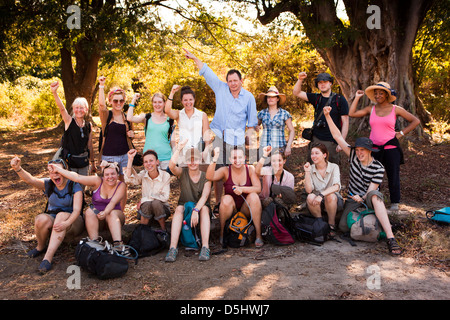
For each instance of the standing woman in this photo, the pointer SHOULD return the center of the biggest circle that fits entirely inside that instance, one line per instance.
(77, 146)
(192, 123)
(158, 128)
(383, 116)
(115, 129)
(274, 120)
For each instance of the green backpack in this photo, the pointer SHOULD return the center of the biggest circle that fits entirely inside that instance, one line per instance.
(364, 225)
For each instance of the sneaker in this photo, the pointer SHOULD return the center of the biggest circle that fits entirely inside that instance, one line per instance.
(394, 207)
(121, 249)
(204, 254)
(45, 266)
(171, 255)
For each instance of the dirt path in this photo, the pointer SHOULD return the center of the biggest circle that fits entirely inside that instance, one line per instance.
(300, 271)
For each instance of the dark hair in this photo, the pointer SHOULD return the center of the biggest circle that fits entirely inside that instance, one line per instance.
(280, 152)
(234, 71)
(186, 90)
(322, 148)
(150, 152)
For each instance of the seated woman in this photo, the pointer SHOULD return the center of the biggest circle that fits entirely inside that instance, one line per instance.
(63, 214)
(155, 184)
(366, 174)
(194, 188)
(240, 182)
(274, 175)
(323, 183)
(105, 209)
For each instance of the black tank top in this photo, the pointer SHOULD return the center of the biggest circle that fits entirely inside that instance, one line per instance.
(75, 138)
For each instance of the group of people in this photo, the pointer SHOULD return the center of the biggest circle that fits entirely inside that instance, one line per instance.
(212, 156)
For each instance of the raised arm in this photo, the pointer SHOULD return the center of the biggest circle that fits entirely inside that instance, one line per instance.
(130, 170)
(211, 173)
(130, 113)
(93, 181)
(62, 109)
(26, 176)
(352, 112)
(173, 114)
(102, 109)
(297, 91)
(191, 56)
(174, 159)
(335, 131)
(259, 165)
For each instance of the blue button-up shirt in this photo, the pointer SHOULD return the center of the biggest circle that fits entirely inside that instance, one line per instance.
(232, 114)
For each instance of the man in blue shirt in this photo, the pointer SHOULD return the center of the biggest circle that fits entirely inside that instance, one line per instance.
(235, 107)
(235, 111)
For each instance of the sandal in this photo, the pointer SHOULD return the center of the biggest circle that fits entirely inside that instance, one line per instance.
(332, 232)
(394, 248)
(215, 211)
(259, 243)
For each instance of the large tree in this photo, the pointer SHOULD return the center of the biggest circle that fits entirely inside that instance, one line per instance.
(360, 52)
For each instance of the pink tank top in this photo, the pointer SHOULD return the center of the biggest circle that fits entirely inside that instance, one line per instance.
(382, 128)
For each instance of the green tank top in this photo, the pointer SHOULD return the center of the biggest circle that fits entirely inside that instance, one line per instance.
(157, 139)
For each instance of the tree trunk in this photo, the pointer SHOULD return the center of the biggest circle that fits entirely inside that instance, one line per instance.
(358, 56)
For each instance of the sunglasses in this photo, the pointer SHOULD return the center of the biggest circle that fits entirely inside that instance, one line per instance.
(118, 101)
(59, 161)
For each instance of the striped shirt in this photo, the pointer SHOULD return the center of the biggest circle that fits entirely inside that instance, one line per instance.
(361, 176)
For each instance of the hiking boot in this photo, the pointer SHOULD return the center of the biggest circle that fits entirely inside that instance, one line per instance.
(204, 254)
(171, 255)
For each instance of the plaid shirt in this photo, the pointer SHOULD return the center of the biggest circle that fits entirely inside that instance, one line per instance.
(273, 129)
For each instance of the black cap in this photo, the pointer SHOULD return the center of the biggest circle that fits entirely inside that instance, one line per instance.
(323, 77)
(364, 142)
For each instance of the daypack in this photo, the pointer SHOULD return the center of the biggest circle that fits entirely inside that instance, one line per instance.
(145, 241)
(440, 216)
(238, 231)
(189, 236)
(364, 225)
(51, 189)
(100, 259)
(273, 230)
(307, 228)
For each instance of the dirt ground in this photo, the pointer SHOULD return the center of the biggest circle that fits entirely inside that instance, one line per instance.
(334, 271)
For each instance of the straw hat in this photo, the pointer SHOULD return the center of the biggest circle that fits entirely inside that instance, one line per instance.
(370, 91)
(272, 92)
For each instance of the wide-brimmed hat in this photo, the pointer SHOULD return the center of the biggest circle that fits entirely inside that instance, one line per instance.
(272, 92)
(370, 91)
(364, 142)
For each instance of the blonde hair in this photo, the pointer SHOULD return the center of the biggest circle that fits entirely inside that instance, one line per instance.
(80, 101)
(159, 95)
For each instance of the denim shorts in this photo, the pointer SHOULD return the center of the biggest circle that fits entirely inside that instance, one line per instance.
(121, 160)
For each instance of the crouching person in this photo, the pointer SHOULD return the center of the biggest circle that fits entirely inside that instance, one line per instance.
(63, 214)
(195, 190)
(366, 174)
(155, 188)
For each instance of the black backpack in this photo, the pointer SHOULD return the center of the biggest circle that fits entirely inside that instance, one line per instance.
(310, 229)
(238, 231)
(96, 258)
(146, 241)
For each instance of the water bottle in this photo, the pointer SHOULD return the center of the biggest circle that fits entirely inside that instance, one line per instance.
(185, 226)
